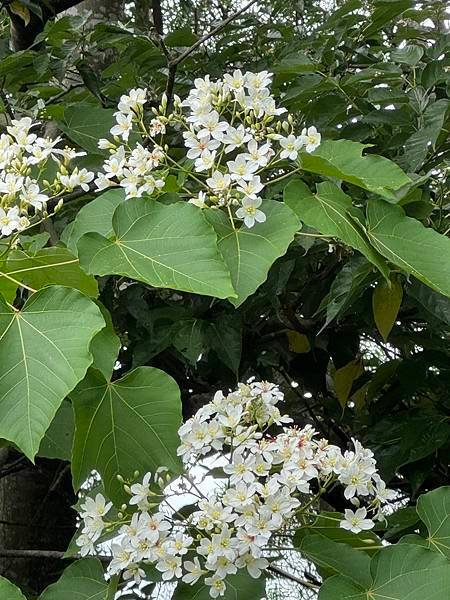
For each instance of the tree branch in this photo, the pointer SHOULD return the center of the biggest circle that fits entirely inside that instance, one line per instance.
(173, 64)
(283, 573)
(157, 16)
(53, 554)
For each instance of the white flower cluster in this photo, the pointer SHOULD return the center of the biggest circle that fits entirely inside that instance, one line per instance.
(233, 118)
(23, 164)
(126, 166)
(232, 134)
(266, 482)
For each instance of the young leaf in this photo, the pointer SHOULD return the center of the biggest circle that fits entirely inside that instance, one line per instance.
(126, 425)
(249, 253)
(165, 246)
(386, 302)
(44, 353)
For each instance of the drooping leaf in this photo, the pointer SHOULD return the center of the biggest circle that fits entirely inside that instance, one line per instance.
(344, 160)
(384, 12)
(83, 580)
(8, 591)
(434, 304)
(386, 302)
(126, 425)
(398, 572)
(44, 353)
(418, 250)
(93, 217)
(58, 439)
(249, 253)
(165, 246)
(344, 379)
(239, 587)
(49, 266)
(328, 212)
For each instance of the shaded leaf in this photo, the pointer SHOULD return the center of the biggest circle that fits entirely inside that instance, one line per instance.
(86, 123)
(298, 342)
(83, 580)
(344, 379)
(9, 591)
(58, 439)
(386, 302)
(239, 587)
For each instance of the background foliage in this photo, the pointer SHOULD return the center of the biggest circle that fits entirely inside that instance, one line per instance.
(350, 313)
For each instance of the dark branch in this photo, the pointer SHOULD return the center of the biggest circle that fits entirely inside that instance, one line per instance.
(173, 64)
(157, 16)
(274, 569)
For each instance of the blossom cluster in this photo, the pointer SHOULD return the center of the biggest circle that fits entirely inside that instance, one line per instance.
(233, 134)
(266, 481)
(28, 178)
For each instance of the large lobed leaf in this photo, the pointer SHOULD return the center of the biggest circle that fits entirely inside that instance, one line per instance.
(165, 246)
(239, 587)
(8, 591)
(125, 425)
(249, 253)
(83, 580)
(44, 353)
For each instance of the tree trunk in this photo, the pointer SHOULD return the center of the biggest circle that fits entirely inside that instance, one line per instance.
(35, 514)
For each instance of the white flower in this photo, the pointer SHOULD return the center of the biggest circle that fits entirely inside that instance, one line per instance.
(256, 81)
(212, 126)
(205, 161)
(141, 491)
(9, 221)
(241, 168)
(235, 138)
(194, 571)
(170, 567)
(133, 101)
(123, 127)
(157, 127)
(31, 194)
(199, 200)
(219, 182)
(85, 544)
(179, 544)
(356, 521)
(254, 565)
(95, 507)
(310, 139)
(198, 145)
(234, 82)
(291, 146)
(251, 187)
(217, 584)
(122, 557)
(11, 184)
(249, 212)
(259, 154)
(135, 573)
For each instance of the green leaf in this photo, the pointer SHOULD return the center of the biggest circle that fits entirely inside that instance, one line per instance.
(435, 304)
(249, 253)
(434, 510)
(165, 246)
(398, 572)
(418, 250)
(180, 37)
(385, 13)
(49, 266)
(190, 339)
(343, 159)
(83, 580)
(353, 279)
(328, 211)
(409, 54)
(86, 123)
(44, 353)
(327, 526)
(105, 346)
(58, 439)
(8, 591)
(293, 64)
(225, 338)
(386, 302)
(239, 587)
(125, 425)
(96, 216)
(334, 558)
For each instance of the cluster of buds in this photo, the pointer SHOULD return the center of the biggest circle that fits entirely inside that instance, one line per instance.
(266, 482)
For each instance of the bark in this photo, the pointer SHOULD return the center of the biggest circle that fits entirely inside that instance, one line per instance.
(35, 514)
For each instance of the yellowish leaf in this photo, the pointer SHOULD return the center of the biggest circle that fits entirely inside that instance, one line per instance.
(20, 10)
(359, 397)
(298, 342)
(386, 302)
(344, 378)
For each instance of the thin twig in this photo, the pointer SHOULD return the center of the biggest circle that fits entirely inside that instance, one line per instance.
(173, 64)
(283, 573)
(53, 554)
